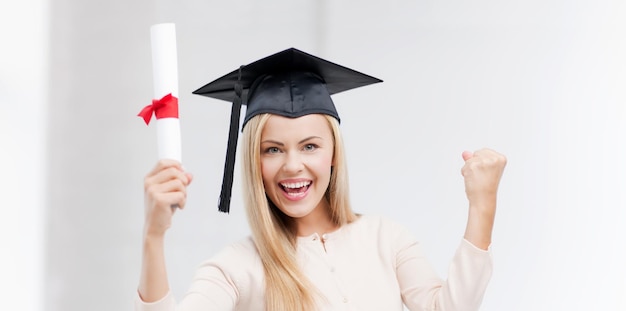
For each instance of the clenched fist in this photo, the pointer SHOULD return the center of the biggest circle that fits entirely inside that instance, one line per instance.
(482, 172)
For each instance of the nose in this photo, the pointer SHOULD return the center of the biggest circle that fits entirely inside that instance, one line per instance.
(293, 163)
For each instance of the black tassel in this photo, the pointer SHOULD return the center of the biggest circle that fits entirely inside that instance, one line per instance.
(233, 135)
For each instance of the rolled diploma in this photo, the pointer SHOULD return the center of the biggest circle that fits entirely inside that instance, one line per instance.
(165, 78)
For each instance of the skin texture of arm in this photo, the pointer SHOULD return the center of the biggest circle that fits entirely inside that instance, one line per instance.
(482, 172)
(165, 190)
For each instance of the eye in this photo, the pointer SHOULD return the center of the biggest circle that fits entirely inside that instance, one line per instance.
(309, 147)
(272, 150)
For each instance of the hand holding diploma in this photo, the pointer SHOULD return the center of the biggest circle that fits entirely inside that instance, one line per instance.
(166, 184)
(165, 187)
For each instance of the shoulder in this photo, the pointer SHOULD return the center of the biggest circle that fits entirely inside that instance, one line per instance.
(233, 276)
(379, 237)
(239, 263)
(240, 254)
(379, 225)
(243, 246)
(383, 230)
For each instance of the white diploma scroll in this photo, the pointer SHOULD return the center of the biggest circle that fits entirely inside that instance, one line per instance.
(165, 78)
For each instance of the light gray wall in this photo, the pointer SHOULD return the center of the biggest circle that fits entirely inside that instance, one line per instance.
(541, 81)
(23, 81)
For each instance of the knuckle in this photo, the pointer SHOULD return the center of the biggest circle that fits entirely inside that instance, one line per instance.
(149, 181)
(150, 190)
(166, 163)
(169, 170)
(175, 171)
(178, 184)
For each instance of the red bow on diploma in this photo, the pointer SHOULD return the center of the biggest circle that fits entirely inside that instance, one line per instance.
(166, 107)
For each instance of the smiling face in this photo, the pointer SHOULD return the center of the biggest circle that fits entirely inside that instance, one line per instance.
(296, 160)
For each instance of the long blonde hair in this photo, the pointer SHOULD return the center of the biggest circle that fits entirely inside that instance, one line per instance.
(286, 287)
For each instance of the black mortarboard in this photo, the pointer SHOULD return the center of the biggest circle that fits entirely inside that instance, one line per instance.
(290, 83)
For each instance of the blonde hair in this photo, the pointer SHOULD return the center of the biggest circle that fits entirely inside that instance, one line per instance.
(286, 287)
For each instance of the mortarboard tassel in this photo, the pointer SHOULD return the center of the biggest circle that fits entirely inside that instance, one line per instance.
(233, 135)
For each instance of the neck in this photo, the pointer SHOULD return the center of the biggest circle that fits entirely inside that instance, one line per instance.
(318, 221)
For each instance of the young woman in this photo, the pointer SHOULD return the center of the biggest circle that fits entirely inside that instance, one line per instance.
(308, 249)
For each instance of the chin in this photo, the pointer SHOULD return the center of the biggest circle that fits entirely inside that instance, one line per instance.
(296, 211)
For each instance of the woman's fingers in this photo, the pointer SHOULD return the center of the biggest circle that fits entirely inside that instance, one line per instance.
(467, 155)
(482, 172)
(168, 193)
(165, 187)
(163, 173)
(163, 164)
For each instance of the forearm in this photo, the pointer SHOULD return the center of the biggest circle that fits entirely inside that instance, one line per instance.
(480, 223)
(153, 283)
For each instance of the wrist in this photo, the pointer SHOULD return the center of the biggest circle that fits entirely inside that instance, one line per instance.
(483, 205)
(151, 237)
(480, 224)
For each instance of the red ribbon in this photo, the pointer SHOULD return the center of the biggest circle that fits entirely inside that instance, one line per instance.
(166, 107)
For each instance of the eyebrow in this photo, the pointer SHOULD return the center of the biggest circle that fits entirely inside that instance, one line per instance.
(269, 141)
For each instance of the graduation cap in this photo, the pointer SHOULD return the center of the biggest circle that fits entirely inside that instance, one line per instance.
(290, 83)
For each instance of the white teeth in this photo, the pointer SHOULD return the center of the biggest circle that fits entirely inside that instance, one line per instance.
(296, 194)
(296, 185)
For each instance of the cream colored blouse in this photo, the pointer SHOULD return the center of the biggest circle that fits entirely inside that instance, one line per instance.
(370, 264)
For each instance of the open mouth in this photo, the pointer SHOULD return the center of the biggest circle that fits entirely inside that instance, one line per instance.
(295, 189)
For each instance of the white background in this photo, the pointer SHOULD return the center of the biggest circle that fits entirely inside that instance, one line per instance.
(543, 82)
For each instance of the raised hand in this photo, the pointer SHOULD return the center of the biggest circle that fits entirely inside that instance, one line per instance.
(482, 173)
(165, 190)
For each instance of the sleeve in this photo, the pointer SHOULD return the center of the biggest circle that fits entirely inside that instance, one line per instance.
(468, 276)
(166, 303)
(211, 290)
